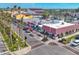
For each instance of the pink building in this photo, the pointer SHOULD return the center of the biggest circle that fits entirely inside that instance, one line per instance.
(61, 29)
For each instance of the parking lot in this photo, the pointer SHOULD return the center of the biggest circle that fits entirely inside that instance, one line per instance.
(39, 48)
(50, 50)
(31, 40)
(2, 47)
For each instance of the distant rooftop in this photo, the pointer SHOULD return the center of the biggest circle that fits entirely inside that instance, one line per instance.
(36, 9)
(58, 25)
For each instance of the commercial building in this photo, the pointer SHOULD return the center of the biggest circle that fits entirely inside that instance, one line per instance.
(24, 16)
(61, 28)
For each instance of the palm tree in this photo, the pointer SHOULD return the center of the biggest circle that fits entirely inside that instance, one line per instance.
(77, 10)
(15, 6)
(7, 23)
(19, 9)
(21, 27)
(8, 8)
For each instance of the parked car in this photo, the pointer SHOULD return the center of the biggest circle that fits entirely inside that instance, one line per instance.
(39, 35)
(25, 28)
(27, 31)
(31, 35)
(75, 43)
(52, 37)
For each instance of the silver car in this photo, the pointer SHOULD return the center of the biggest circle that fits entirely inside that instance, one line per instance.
(75, 42)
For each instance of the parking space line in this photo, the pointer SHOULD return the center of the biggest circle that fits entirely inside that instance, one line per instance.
(37, 45)
(73, 50)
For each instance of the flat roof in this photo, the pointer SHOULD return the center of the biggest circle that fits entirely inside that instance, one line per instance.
(58, 25)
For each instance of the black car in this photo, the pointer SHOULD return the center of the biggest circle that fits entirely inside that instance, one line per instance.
(31, 35)
(39, 35)
(27, 31)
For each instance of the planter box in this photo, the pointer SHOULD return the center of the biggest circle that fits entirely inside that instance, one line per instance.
(21, 51)
(18, 52)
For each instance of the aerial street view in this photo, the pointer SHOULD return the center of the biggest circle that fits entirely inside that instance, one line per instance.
(39, 28)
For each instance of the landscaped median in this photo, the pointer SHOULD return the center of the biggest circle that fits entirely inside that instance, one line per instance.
(23, 46)
(15, 44)
(68, 39)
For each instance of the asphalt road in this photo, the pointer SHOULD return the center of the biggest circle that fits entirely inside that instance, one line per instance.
(46, 49)
(31, 40)
(50, 50)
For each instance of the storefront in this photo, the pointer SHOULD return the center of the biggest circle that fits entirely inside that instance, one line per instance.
(60, 30)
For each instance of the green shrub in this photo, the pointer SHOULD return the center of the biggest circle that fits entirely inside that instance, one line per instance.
(6, 38)
(68, 39)
(20, 41)
(14, 47)
(12, 44)
(24, 44)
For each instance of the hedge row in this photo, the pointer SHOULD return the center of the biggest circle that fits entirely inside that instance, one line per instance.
(15, 43)
(68, 39)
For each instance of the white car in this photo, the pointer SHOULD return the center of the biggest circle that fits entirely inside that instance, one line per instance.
(75, 42)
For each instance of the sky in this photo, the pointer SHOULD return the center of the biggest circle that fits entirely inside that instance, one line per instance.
(41, 5)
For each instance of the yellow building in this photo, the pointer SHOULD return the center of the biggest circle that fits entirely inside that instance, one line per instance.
(24, 16)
